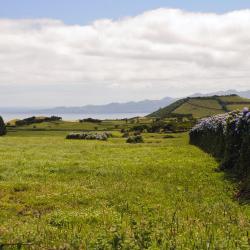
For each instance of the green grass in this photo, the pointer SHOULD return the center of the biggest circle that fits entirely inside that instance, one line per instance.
(200, 108)
(237, 106)
(85, 126)
(163, 194)
(68, 125)
(233, 99)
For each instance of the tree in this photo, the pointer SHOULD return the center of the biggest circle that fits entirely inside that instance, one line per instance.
(2, 127)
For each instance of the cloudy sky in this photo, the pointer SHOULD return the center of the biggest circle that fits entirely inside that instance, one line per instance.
(69, 53)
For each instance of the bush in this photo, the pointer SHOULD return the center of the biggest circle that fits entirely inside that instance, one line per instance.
(140, 128)
(34, 119)
(90, 120)
(137, 133)
(125, 134)
(135, 139)
(89, 136)
(2, 127)
(227, 137)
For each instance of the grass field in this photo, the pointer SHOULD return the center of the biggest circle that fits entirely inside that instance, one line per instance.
(77, 126)
(163, 194)
(237, 107)
(201, 107)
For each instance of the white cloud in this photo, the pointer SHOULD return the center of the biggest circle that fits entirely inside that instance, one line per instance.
(175, 51)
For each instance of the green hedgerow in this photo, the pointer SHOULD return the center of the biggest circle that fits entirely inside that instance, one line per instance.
(2, 127)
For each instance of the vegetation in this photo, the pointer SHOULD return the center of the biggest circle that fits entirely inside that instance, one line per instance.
(136, 124)
(91, 120)
(89, 136)
(198, 107)
(174, 125)
(228, 138)
(71, 194)
(38, 119)
(93, 194)
(135, 139)
(2, 127)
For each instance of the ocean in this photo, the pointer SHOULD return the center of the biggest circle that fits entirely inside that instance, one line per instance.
(73, 117)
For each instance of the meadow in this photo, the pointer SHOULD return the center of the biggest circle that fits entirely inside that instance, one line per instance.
(76, 194)
(200, 107)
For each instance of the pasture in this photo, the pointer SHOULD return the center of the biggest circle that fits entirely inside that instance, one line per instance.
(200, 107)
(161, 194)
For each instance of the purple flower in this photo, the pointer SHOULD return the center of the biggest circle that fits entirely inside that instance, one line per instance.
(245, 110)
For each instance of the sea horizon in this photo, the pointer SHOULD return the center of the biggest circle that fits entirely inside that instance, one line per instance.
(71, 116)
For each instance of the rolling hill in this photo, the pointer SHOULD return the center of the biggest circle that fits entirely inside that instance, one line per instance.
(200, 107)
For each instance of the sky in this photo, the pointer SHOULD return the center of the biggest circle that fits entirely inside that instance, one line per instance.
(73, 53)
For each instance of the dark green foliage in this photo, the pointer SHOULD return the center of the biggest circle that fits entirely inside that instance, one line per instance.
(125, 134)
(2, 127)
(33, 119)
(172, 126)
(90, 120)
(213, 143)
(157, 126)
(140, 128)
(135, 139)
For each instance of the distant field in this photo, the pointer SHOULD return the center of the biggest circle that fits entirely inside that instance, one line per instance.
(200, 107)
(237, 106)
(234, 99)
(163, 194)
(84, 126)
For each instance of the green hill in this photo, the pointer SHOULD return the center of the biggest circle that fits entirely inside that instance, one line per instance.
(200, 107)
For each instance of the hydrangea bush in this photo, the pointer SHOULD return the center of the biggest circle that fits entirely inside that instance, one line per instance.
(227, 137)
(89, 136)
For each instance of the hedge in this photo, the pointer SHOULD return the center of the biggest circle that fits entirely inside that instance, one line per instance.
(2, 127)
(227, 137)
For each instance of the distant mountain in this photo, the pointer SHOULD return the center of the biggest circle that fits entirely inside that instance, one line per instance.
(204, 106)
(145, 106)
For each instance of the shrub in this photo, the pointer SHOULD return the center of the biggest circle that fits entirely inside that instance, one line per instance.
(137, 133)
(125, 134)
(89, 136)
(34, 119)
(2, 127)
(135, 139)
(156, 126)
(140, 128)
(123, 130)
(90, 120)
